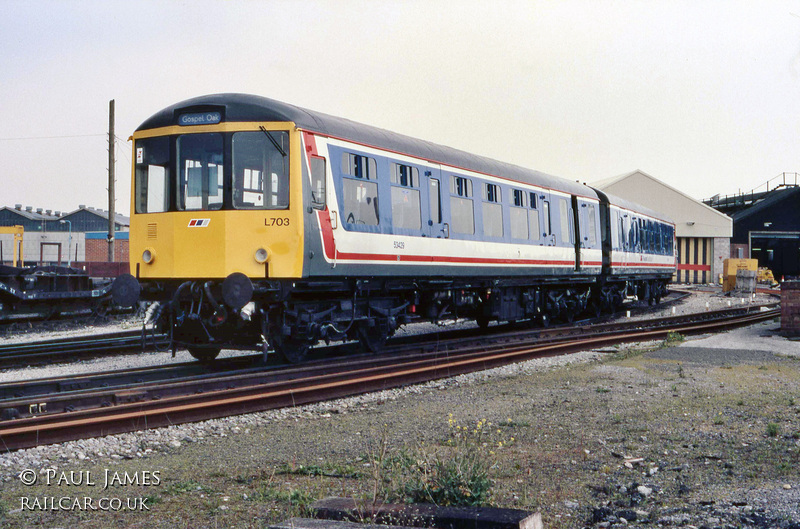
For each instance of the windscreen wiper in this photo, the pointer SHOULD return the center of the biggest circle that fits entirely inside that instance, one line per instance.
(274, 142)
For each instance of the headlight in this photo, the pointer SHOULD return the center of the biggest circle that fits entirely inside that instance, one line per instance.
(148, 256)
(261, 256)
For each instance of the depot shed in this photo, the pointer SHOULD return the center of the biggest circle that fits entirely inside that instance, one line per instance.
(703, 233)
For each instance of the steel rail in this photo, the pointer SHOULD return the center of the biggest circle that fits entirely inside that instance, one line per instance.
(81, 391)
(48, 429)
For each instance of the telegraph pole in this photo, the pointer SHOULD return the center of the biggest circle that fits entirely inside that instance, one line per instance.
(111, 160)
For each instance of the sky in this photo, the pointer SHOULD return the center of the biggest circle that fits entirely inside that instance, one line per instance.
(703, 95)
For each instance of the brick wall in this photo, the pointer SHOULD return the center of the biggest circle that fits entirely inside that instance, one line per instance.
(97, 250)
(790, 307)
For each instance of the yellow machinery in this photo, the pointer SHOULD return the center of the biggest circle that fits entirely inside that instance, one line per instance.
(731, 266)
(765, 276)
(17, 232)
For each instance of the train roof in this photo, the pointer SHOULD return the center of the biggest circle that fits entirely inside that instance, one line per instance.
(245, 107)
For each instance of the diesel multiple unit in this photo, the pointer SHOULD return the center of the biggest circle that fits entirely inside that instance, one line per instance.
(256, 223)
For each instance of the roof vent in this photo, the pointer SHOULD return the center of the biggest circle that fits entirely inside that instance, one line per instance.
(82, 206)
(39, 210)
(48, 212)
(29, 209)
(18, 207)
(58, 213)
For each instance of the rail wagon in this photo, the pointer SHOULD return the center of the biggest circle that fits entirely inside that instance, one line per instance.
(259, 224)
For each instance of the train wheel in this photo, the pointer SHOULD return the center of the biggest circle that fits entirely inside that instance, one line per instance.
(204, 354)
(293, 350)
(372, 339)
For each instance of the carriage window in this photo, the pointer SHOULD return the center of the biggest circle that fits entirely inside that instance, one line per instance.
(546, 215)
(435, 201)
(406, 210)
(518, 198)
(360, 201)
(563, 218)
(461, 186)
(200, 171)
(519, 222)
(359, 166)
(533, 219)
(591, 226)
(152, 175)
(261, 170)
(492, 211)
(404, 175)
(461, 209)
(317, 182)
(518, 214)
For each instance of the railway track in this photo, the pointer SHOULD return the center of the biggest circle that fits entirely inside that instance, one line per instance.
(27, 353)
(49, 417)
(63, 349)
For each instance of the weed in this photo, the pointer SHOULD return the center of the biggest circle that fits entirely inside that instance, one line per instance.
(298, 501)
(185, 486)
(791, 401)
(681, 374)
(718, 419)
(509, 423)
(674, 388)
(331, 471)
(673, 338)
(602, 390)
(773, 429)
(456, 472)
(740, 402)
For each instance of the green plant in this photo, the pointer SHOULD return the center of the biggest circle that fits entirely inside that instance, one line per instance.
(681, 374)
(331, 471)
(718, 419)
(456, 472)
(602, 390)
(185, 486)
(773, 429)
(673, 338)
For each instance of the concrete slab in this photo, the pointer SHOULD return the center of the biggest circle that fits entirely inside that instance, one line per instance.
(423, 515)
(315, 523)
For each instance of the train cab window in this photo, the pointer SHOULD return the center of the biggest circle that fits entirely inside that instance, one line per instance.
(317, 182)
(518, 213)
(492, 211)
(405, 197)
(261, 170)
(152, 175)
(461, 208)
(360, 190)
(200, 160)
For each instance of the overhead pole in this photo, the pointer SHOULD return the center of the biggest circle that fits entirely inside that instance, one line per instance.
(111, 199)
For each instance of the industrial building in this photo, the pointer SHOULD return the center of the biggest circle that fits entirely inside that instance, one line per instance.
(56, 237)
(703, 234)
(766, 224)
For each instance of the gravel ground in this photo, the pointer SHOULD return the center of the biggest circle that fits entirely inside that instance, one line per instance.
(714, 420)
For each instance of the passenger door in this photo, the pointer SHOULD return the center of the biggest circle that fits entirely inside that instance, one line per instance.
(437, 228)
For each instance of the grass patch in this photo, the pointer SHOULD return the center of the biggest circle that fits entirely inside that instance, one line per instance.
(183, 487)
(773, 429)
(330, 471)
